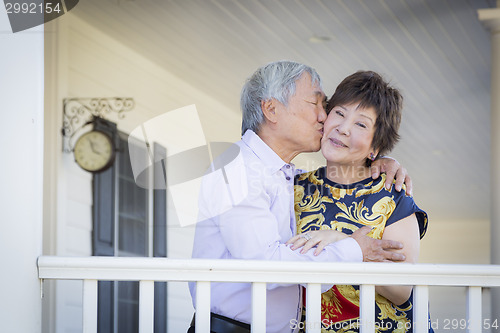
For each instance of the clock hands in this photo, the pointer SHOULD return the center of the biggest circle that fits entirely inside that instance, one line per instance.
(93, 147)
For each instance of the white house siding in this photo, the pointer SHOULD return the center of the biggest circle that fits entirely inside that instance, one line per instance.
(91, 64)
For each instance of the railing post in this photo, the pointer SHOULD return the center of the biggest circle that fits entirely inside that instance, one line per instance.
(258, 307)
(313, 308)
(420, 309)
(146, 306)
(89, 306)
(367, 308)
(474, 309)
(202, 322)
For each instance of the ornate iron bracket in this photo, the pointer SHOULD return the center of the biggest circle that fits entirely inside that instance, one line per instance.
(79, 112)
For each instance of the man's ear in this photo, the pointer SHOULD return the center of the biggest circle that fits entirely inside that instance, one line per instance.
(269, 110)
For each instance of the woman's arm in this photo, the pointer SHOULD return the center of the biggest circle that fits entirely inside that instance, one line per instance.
(318, 238)
(407, 232)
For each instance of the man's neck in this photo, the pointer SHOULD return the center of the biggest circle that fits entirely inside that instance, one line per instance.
(276, 145)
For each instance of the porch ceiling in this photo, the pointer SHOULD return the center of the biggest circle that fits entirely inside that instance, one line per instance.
(436, 51)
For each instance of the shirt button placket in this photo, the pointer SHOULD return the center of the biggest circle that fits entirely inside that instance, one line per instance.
(287, 173)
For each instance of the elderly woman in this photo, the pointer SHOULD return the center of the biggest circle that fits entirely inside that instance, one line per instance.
(364, 115)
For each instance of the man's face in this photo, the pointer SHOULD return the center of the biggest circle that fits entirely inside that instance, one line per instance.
(302, 120)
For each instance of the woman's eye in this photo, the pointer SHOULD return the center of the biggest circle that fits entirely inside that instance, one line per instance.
(339, 113)
(361, 125)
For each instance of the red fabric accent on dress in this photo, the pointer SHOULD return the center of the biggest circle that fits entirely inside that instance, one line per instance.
(331, 314)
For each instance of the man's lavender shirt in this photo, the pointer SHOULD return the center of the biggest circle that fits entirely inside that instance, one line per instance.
(247, 213)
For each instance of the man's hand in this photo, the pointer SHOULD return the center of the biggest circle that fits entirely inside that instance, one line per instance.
(393, 170)
(377, 249)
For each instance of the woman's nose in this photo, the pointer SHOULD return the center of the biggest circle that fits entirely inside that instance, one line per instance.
(343, 128)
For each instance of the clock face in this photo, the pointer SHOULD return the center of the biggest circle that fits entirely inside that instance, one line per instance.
(94, 151)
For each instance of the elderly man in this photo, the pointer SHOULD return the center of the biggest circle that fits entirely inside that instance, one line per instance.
(283, 115)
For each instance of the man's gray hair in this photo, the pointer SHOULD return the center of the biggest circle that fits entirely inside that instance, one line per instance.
(274, 80)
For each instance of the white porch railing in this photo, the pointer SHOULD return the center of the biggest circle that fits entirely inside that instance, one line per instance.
(367, 275)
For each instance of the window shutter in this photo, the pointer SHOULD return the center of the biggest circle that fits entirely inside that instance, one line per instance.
(103, 242)
(104, 230)
(160, 234)
(104, 213)
(160, 202)
(104, 202)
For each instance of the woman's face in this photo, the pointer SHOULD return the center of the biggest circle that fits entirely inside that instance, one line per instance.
(348, 134)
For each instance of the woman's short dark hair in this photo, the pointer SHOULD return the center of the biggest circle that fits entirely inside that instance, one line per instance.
(370, 90)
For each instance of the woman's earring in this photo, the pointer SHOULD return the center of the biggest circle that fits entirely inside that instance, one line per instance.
(372, 156)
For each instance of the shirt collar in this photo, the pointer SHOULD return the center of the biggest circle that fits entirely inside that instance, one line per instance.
(263, 151)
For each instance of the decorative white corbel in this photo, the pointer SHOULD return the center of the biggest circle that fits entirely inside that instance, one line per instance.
(490, 18)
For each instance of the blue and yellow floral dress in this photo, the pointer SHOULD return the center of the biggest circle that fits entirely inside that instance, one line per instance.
(323, 204)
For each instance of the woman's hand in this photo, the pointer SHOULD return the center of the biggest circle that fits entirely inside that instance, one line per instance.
(318, 238)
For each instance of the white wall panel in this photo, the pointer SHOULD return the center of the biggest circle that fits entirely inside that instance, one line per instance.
(21, 196)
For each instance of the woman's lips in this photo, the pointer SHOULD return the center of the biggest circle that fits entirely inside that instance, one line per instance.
(337, 143)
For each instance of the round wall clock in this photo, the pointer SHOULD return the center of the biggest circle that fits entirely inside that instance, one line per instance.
(94, 151)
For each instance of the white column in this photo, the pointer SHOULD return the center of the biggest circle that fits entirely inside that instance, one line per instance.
(491, 19)
(21, 171)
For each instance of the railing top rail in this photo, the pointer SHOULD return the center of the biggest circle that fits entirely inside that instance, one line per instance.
(164, 269)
